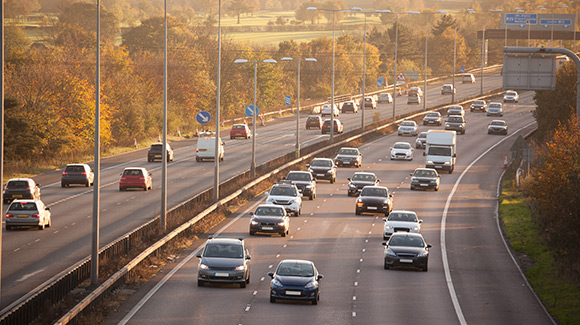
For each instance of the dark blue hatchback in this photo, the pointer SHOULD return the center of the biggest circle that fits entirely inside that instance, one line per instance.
(295, 280)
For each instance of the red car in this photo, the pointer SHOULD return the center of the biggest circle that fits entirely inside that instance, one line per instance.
(240, 130)
(313, 122)
(135, 177)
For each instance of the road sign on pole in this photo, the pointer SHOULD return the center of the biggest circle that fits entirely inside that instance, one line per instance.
(462, 70)
(401, 78)
(203, 117)
(287, 100)
(250, 110)
(380, 81)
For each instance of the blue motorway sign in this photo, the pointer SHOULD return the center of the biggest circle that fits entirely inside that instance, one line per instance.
(462, 69)
(559, 22)
(521, 19)
(250, 110)
(287, 100)
(380, 81)
(203, 117)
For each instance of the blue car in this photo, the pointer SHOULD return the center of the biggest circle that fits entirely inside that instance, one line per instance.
(295, 280)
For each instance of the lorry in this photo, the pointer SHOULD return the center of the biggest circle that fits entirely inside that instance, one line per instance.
(440, 150)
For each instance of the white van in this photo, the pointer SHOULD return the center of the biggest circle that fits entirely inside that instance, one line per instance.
(206, 149)
(468, 78)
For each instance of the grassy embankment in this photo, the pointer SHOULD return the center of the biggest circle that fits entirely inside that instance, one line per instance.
(559, 294)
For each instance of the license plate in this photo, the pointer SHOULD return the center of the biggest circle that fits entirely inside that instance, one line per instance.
(203, 150)
(267, 228)
(221, 274)
(320, 175)
(424, 184)
(157, 156)
(438, 167)
(372, 208)
(22, 216)
(16, 195)
(404, 260)
(293, 293)
(346, 162)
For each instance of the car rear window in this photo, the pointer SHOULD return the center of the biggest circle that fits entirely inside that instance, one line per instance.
(75, 169)
(238, 127)
(299, 177)
(313, 118)
(379, 192)
(133, 172)
(156, 147)
(23, 206)
(17, 184)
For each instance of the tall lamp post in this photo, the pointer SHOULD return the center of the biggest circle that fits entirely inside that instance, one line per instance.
(362, 121)
(333, 55)
(298, 101)
(425, 65)
(253, 163)
(216, 180)
(395, 75)
(454, 61)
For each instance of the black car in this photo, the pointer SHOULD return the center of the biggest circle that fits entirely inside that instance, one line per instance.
(323, 168)
(21, 188)
(156, 150)
(425, 178)
(455, 123)
(304, 181)
(407, 250)
(269, 218)
(224, 260)
(349, 106)
(360, 180)
(374, 199)
(421, 140)
(478, 105)
(77, 174)
(348, 157)
(432, 118)
(295, 280)
(497, 127)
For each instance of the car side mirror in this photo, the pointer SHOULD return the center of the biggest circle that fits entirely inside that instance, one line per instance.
(198, 255)
(320, 276)
(439, 176)
(429, 246)
(307, 165)
(390, 195)
(47, 208)
(420, 220)
(248, 257)
(424, 154)
(378, 180)
(271, 274)
(251, 213)
(454, 155)
(283, 177)
(267, 193)
(411, 174)
(384, 243)
(385, 219)
(37, 185)
(348, 179)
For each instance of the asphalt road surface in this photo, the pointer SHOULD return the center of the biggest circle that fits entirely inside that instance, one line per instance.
(472, 277)
(31, 257)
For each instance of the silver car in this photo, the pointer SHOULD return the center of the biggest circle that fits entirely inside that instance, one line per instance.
(401, 151)
(495, 109)
(287, 196)
(421, 141)
(408, 128)
(28, 213)
(511, 96)
(401, 220)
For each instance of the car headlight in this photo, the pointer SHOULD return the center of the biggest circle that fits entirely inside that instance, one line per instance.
(330, 171)
(254, 222)
(311, 285)
(415, 228)
(269, 201)
(422, 254)
(433, 181)
(309, 186)
(446, 163)
(203, 267)
(310, 170)
(447, 125)
(429, 162)
(351, 185)
(390, 253)
(276, 283)
(282, 223)
(240, 267)
(413, 179)
(388, 227)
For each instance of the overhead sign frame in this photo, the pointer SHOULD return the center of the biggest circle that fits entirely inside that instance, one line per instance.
(527, 71)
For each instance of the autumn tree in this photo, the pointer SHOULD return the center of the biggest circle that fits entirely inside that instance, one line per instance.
(17, 8)
(308, 15)
(238, 7)
(149, 35)
(81, 18)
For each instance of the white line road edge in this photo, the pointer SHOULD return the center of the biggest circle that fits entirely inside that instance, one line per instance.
(166, 278)
(448, 279)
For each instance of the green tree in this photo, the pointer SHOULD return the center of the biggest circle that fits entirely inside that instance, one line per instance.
(149, 35)
(238, 7)
(554, 106)
(84, 16)
(442, 24)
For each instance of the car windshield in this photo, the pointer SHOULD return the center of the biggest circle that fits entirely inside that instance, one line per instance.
(496, 105)
(498, 123)
(425, 173)
(378, 192)
(23, 206)
(439, 151)
(455, 119)
(407, 123)
(299, 176)
(295, 269)
(423, 135)
(17, 184)
(511, 93)
(270, 211)
(283, 191)
(223, 250)
(348, 152)
(432, 114)
(407, 241)
(132, 172)
(402, 216)
(322, 163)
(402, 146)
(478, 102)
(363, 177)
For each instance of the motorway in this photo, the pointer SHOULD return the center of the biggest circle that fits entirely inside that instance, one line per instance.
(472, 277)
(31, 257)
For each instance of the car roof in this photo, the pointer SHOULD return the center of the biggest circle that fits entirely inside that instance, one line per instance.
(376, 186)
(21, 179)
(349, 148)
(26, 200)
(140, 168)
(225, 240)
(364, 173)
(270, 206)
(406, 234)
(402, 142)
(426, 169)
(297, 261)
(455, 106)
(298, 172)
(322, 159)
(502, 121)
(404, 211)
(283, 185)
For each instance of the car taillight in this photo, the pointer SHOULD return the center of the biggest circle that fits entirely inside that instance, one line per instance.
(64, 173)
(196, 150)
(35, 215)
(8, 215)
(84, 173)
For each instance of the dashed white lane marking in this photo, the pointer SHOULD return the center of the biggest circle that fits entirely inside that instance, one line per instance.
(262, 278)
(255, 293)
(56, 232)
(357, 270)
(16, 250)
(356, 284)
(364, 250)
(277, 255)
(270, 266)
(36, 241)
(297, 228)
(366, 240)
(354, 314)
(291, 237)
(353, 297)
(248, 308)
(88, 217)
(29, 275)
(285, 246)
(305, 220)
(361, 260)
(74, 223)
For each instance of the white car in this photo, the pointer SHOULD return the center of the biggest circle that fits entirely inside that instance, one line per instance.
(326, 110)
(402, 151)
(495, 109)
(511, 96)
(385, 98)
(28, 213)
(408, 128)
(401, 220)
(455, 110)
(286, 195)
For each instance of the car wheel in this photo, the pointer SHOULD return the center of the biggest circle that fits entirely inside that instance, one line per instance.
(121, 188)
(62, 185)
(231, 138)
(412, 188)
(49, 224)
(311, 197)
(41, 227)
(357, 212)
(197, 159)
(332, 180)
(315, 300)
(243, 284)
(348, 193)
(252, 233)
(283, 234)
(437, 188)
(385, 265)
(425, 268)
(8, 228)
(200, 283)
(272, 299)
(87, 184)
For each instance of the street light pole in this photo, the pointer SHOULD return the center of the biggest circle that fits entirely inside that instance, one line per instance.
(362, 120)
(454, 60)
(163, 217)
(97, 163)
(253, 163)
(425, 71)
(298, 101)
(332, 98)
(216, 180)
(395, 78)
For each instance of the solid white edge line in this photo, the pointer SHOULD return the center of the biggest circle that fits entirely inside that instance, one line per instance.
(166, 278)
(509, 250)
(448, 279)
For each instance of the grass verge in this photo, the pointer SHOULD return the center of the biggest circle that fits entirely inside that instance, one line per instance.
(560, 296)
